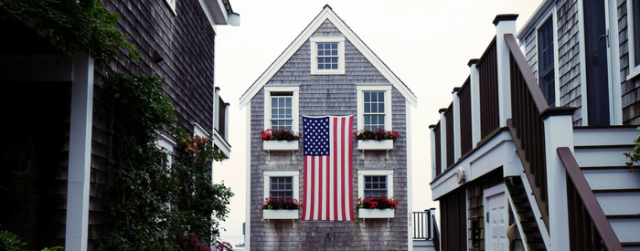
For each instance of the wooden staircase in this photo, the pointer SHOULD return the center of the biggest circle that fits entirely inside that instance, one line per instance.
(598, 151)
(525, 215)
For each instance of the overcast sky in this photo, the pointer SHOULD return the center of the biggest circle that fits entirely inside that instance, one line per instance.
(426, 43)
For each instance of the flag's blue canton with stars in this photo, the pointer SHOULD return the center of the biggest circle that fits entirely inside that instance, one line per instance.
(316, 136)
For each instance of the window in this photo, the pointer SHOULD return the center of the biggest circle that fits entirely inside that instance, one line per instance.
(327, 55)
(634, 37)
(281, 112)
(373, 110)
(281, 107)
(278, 183)
(545, 62)
(374, 107)
(375, 182)
(375, 186)
(281, 187)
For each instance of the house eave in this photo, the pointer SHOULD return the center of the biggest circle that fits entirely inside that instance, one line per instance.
(218, 14)
(531, 22)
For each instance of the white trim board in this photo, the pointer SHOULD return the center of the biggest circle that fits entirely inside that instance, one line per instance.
(327, 14)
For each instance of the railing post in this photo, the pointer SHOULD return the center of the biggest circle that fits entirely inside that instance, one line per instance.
(504, 24)
(427, 227)
(433, 152)
(226, 121)
(474, 81)
(432, 224)
(457, 144)
(558, 130)
(443, 140)
(216, 103)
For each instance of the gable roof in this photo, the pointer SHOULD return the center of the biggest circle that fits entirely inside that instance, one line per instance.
(327, 13)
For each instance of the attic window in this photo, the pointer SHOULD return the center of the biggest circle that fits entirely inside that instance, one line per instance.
(327, 55)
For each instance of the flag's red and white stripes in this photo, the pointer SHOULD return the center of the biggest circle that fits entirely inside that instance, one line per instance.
(328, 180)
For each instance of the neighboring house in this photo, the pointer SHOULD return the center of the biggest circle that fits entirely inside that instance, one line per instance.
(327, 70)
(528, 156)
(58, 196)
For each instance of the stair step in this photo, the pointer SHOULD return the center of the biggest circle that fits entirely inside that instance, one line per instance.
(612, 179)
(608, 156)
(619, 201)
(608, 135)
(626, 229)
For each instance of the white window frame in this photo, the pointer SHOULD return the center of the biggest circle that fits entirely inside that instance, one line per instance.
(376, 172)
(281, 173)
(295, 89)
(633, 70)
(166, 144)
(387, 103)
(314, 55)
(550, 16)
(172, 5)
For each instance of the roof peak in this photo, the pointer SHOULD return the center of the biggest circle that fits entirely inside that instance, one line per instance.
(327, 6)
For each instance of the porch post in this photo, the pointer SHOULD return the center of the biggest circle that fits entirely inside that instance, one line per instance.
(474, 81)
(558, 131)
(77, 227)
(433, 152)
(443, 140)
(457, 148)
(505, 24)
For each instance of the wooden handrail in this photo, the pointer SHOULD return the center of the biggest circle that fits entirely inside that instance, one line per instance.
(527, 74)
(599, 219)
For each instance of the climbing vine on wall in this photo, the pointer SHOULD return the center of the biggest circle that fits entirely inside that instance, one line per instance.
(152, 200)
(72, 25)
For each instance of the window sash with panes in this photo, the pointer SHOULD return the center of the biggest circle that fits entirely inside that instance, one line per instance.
(375, 186)
(281, 113)
(281, 187)
(327, 56)
(374, 113)
(546, 71)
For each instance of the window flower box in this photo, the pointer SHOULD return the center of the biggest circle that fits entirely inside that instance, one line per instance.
(369, 144)
(279, 145)
(373, 213)
(280, 214)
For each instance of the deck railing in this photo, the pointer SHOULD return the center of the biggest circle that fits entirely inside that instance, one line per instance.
(489, 107)
(436, 234)
(527, 126)
(464, 94)
(589, 228)
(448, 115)
(436, 131)
(222, 110)
(423, 225)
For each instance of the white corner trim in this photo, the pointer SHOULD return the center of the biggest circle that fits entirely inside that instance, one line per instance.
(314, 55)
(295, 174)
(388, 125)
(375, 172)
(247, 205)
(198, 130)
(295, 106)
(633, 70)
(327, 13)
(409, 176)
(583, 67)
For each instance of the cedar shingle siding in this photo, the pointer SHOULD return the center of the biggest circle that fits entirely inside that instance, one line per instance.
(629, 89)
(328, 95)
(186, 43)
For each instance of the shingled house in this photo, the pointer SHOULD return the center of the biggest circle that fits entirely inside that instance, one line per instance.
(532, 143)
(327, 71)
(58, 140)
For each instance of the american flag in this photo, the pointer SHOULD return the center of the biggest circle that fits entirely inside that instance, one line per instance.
(328, 176)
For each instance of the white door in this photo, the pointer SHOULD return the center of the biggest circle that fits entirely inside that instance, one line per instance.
(497, 222)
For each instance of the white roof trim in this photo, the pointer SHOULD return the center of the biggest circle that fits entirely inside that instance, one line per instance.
(327, 13)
